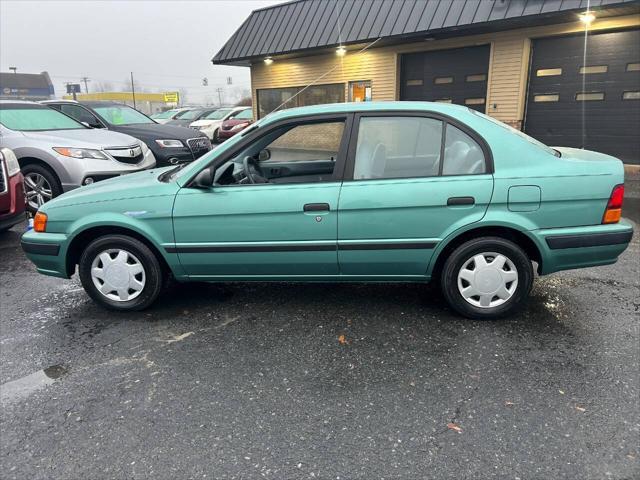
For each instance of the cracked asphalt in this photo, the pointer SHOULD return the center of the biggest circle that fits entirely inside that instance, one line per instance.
(288, 381)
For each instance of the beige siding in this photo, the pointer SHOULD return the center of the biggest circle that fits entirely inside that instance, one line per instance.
(508, 66)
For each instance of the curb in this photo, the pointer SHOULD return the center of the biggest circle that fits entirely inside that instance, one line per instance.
(631, 169)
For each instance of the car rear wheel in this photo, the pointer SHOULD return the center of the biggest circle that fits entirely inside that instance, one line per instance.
(488, 277)
(216, 138)
(121, 273)
(40, 186)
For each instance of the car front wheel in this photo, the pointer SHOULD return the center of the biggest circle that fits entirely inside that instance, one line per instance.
(121, 273)
(488, 277)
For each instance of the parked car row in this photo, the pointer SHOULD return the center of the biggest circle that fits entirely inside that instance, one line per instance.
(61, 145)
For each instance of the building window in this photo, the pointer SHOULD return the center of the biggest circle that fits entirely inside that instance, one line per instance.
(415, 83)
(589, 96)
(360, 91)
(270, 99)
(631, 96)
(633, 67)
(593, 69)
(548, 72)
(443, 100)
(474, 101)
(480, 77)
(546, 97)
(443, 80)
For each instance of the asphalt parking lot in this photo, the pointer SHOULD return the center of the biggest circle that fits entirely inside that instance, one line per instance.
(291, 381)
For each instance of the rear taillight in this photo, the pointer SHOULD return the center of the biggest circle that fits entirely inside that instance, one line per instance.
(614, 207)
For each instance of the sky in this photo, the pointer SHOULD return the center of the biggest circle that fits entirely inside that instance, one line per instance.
(167, 44)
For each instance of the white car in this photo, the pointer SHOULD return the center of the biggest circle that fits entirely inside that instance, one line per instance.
(212, 122)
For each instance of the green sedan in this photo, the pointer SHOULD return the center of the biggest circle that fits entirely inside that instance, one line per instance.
(362, 192)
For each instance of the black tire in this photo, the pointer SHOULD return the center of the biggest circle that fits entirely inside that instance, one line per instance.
(154, 276)
(461, 257)
(216, 138)
(50, 177)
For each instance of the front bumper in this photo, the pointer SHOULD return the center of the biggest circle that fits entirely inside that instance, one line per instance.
(12, 202)
(579, 247)
(48, 252)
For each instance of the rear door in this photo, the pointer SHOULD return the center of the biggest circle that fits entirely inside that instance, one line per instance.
(409, 179)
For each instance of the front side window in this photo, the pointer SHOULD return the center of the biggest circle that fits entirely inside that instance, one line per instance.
(297, 153)
(80, 114)
(398, 147)
(462, 154)
(35, 119)
(121, 115)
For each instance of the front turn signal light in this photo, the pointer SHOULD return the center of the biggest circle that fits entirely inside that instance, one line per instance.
(40, 222)
(614, 206)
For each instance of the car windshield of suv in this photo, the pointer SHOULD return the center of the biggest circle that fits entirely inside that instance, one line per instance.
(161, 115)
(218, 114)
(121, 115)
(189, 115)
(36, 119)
(244, 115)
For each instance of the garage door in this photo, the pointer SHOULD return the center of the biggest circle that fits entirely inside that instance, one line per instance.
(593, 104)
(450, 76)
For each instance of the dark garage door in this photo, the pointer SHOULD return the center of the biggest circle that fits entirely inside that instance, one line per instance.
(609, 96)
(452, 76)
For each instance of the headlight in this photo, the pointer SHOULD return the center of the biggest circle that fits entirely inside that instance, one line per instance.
(170, 143)
(239, 126)
(10, 161)
(81, 153)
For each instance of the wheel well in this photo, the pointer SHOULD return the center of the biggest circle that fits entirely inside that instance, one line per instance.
(24, 161)
(515, 236)
(83, 239)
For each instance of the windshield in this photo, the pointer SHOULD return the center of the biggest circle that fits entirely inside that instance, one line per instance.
(121, 115)
(35, 119)
(189, 114)
(167, 114)
(244, 115)
(523, 135)
(218, 114)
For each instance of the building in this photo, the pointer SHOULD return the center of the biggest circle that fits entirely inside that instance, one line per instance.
(523, 62)
(26, 86)
(147, 103)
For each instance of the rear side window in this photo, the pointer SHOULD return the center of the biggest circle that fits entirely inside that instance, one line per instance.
(398, 147)
(462, 154)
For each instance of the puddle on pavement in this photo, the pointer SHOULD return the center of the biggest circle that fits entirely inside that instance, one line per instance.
(22, 387)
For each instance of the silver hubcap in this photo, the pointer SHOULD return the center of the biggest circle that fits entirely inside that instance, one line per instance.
(118, 275)
(37, 189)
(487, 280)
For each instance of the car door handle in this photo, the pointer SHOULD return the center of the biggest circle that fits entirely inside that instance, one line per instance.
(316, 207)
(453, 201)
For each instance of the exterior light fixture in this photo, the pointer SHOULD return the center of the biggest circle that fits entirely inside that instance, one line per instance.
(268, 61)
(341, 51)
(587, 17)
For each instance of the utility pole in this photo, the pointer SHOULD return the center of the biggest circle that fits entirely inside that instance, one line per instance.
(85, 80)
(133, 91)
(219, 90)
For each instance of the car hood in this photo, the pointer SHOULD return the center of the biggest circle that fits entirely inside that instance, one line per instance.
(133, 185)
(83, 138)
(156, 131)
(235, 121)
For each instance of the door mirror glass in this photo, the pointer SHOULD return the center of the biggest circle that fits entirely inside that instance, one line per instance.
(204, 179)
(265, 154)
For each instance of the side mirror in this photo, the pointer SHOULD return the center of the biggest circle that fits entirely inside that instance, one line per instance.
(204, 179)
(86, 124)
(264, 154)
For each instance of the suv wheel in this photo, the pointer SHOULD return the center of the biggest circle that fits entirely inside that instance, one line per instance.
(121, 273)
(488, 277)
(40, 186)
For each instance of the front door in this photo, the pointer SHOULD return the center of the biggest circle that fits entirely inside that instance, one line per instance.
(412, 178)
(284, 225)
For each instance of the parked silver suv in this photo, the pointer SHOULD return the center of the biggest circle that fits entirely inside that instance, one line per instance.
(57, 154)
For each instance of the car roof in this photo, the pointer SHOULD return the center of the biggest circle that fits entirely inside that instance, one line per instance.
(19, 103)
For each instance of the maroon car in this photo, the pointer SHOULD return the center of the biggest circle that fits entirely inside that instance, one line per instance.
(12, 199)
(236, 123)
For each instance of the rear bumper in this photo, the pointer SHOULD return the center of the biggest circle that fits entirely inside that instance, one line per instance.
(47, 251)
(579, 247)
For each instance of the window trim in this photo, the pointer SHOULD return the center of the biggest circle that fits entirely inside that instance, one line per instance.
(255, 135)
(445, 119)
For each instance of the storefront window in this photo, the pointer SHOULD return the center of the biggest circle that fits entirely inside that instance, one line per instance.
(271, 98)
(360, 91)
